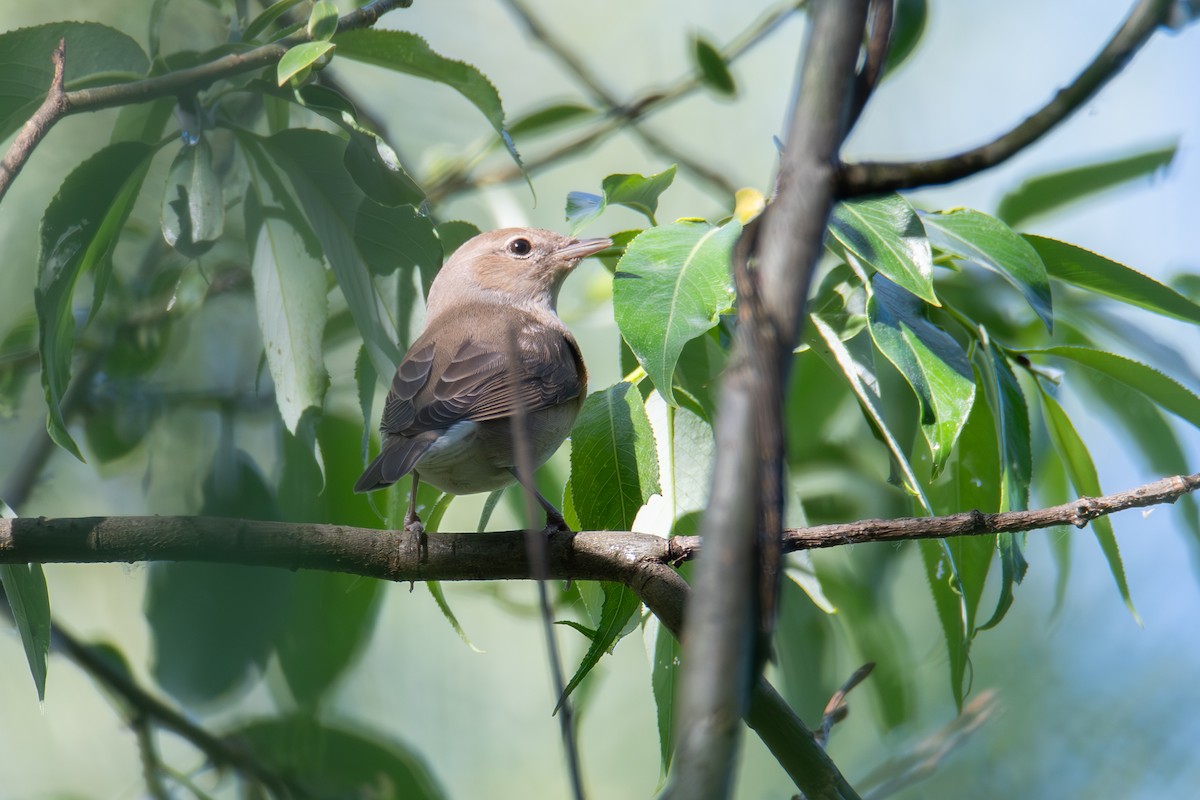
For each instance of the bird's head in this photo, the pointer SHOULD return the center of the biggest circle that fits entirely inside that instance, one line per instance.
(518, 266)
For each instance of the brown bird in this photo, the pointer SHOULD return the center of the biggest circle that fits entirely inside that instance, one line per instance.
(493, 349)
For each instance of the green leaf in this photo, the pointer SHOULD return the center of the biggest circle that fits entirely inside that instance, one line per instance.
(714, 72)
(289, 294)
(299, 58)
(664, 674)
(329, 619)
(672, 285)
(620, 604)
(582, 208)
(330, 199)
(886, 233)
(193, 211)
(908, 26)
(638, 192)
(932, 362)
(1082, 472)
(1012, 426)
(1094, 272)
(453, 235)
(94, 52)
(397, 237)
(940, 572)
(327, 760)
(550, 118)
(323, 20)
(143, 122)
(860, 375)
(439, 597)
(614, 462)
(78, 233)
(1054, 190)
(25, 587)
(268, 16)
(1163, 390)
(990, 243)
(408, 53)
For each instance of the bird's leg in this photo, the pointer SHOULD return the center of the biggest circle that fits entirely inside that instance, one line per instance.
(554, 518)
(412, 522)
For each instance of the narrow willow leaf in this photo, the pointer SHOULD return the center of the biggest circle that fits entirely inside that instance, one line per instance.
(78, 233)
(886, 233)
(25, 587)
(1054, 190)
(289, 294)
(322, 20)
(714, 72)
(990, 243)
(300, 58)
(1163, 390)
(268, 15)
(672, 285)
(550, 118)
(408, 53)
(1094, 272)
(1082, 472)
(620, 604)
(930, 360)
(312, 160)
(364, 381)
(614, 466)
(862, 379)
(323, 759)
(664, 674)
(947, 602)
(439, 597)
(93, 51)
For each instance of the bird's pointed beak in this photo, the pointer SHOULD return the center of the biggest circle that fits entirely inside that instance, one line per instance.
(582, 248)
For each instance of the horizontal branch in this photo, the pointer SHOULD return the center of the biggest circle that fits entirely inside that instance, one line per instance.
(878, 177)
(394, 555)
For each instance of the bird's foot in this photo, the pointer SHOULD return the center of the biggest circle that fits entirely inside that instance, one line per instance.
(413, 525)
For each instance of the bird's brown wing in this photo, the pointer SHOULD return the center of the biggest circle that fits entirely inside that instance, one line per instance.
(411, 376)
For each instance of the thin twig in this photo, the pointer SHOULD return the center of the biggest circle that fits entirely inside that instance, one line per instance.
(151, 766)
(836, 709)
(457, 179)
(879, 26)
(36, 127)
(878, 177)
(180, 81)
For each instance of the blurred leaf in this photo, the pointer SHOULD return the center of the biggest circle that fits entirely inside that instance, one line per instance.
(932, 362)
(614, 465)
(94, 52)
(268, 15)
(78, 233)
(364, 381)
(313, 161)
(1054, 190)
(549, 118)
(205, 640)
(299, 58)
(991, 244)
(714, 72)
(620, 604)
(664, 675)
(805, 649)
(1163, 390)
(940, 572)
(1082, 472)
(335, 762)
(18, 358)
(143, 122)
(329, 620)
(117, 419)
(672, 285)
(193, 211)
(1094, 272)
(862, 379)
(638, 192)
(886, 233)
(582, 208)
(454, 234)
(408, 53)
(25, 587)
(391, 238)
(908, 26)
(322, 20)
(289, 294)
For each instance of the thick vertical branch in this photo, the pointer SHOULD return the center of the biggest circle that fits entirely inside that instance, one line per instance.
(740, 531)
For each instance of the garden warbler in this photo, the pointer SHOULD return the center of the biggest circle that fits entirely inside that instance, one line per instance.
(493, 356)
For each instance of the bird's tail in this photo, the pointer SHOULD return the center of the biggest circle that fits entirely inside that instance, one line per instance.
(400, 454)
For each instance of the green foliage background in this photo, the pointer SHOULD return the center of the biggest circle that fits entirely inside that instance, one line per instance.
(1091, 704)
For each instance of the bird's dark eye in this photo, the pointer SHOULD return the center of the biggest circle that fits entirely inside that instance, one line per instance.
(520, 246)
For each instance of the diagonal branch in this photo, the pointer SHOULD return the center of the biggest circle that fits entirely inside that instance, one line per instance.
(63, 104)
(880, 176)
